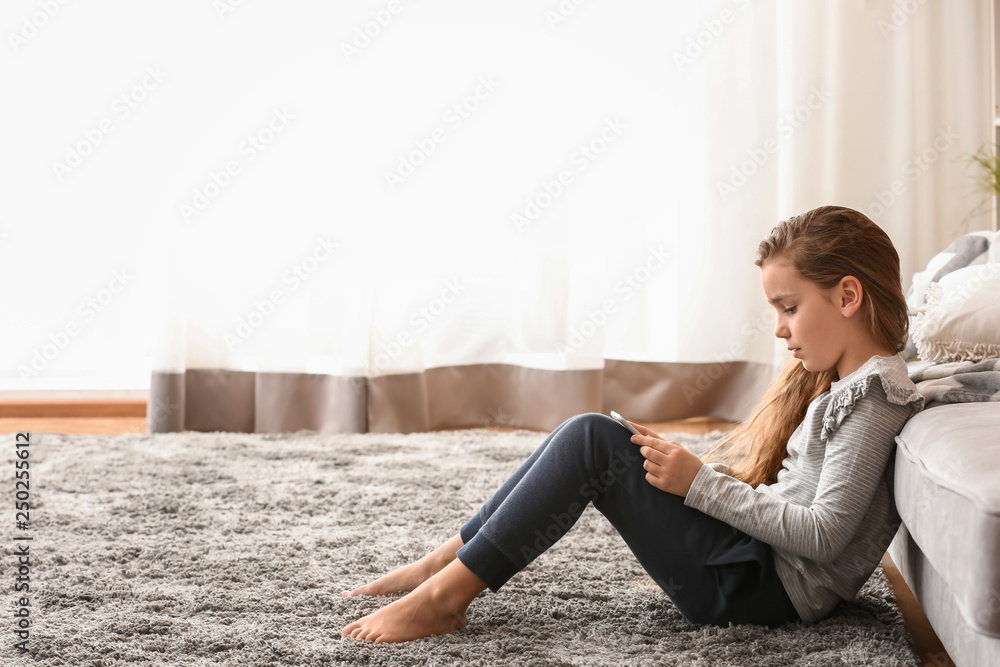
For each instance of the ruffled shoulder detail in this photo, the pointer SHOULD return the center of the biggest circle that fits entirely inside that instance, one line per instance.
(899, 389)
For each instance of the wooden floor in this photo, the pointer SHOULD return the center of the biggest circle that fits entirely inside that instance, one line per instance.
(125, 417)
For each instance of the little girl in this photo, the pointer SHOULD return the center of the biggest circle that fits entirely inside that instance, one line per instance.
(789, 514)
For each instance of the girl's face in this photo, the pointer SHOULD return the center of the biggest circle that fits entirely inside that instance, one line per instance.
(808, 320)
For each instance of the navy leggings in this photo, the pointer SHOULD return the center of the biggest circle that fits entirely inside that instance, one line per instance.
(713, 573)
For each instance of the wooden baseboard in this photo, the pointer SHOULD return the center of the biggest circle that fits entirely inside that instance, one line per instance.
(72, 407)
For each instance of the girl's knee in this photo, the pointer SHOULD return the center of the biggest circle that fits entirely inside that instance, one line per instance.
(595, 421)
(608, 439)
(582, 425)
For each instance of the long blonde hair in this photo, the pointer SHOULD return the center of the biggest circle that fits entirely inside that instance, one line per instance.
(823, 245)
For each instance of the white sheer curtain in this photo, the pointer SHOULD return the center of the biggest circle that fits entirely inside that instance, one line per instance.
(571, 202)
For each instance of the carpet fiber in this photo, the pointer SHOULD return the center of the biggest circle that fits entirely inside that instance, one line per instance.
(230, 548)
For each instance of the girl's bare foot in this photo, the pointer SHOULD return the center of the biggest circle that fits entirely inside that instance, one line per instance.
(408, 577)
(401, 580)
(435, 607)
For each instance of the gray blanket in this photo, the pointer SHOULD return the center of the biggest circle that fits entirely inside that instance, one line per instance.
(956, 382)
(959, 381)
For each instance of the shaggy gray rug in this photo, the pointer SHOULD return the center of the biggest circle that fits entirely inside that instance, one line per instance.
(230, 548)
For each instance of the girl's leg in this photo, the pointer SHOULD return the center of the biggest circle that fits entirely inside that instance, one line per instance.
(408, 577)
(472, 526)
(712, 572)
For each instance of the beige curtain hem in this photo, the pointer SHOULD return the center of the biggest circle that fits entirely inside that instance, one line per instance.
(450, 397)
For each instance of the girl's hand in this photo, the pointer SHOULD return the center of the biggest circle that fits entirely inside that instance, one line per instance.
(669, 467)
(645, 431)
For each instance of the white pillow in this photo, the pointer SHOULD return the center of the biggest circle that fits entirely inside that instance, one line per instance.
(967, 250)
(961, 321)
(994, 255)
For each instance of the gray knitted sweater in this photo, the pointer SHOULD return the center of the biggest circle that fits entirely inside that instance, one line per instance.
(830, 515)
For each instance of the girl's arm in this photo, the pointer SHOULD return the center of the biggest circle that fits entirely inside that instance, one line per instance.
(853, 464)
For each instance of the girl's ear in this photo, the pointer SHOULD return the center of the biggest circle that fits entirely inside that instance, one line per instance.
(849, 295)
